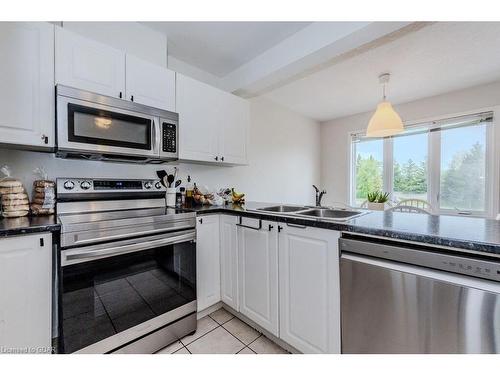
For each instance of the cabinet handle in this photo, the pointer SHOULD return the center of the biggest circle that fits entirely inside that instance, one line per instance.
(200, 221)
(248, 226)
(279, 228)
(216, 158)
(121, 95)
(132, 97)
(222, 158)
(42, 243)
(270, 227)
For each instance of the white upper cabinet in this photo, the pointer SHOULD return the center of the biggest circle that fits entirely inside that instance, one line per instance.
(235, 123)
(150, 84)
(229, 261)
(214, 124)
(197, 108)
(27, 81)
(89, 65)
(207, 261)
(309, 289)
(258, 273)
(26, 292)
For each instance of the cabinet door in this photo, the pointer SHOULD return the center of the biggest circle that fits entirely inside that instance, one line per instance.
(258, 273)
(88, 65)
(150, 84)
(27, 81)
(229, 261)
(207, 261)
(309, 289)
(234, 122)
(198, 107)
(26, 292)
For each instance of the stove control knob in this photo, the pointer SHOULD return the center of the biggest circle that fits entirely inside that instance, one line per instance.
(148, 185)
(85, 185)
(158, 185)
(68, 185)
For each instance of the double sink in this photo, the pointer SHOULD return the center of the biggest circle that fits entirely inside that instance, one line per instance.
(313, 212)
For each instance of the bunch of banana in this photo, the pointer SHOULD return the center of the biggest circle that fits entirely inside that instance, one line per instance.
(238, 198)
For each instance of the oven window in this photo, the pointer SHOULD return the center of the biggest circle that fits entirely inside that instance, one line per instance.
(107, 296)
(96, 126)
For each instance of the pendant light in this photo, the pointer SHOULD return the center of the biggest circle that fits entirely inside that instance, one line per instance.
(385, 121)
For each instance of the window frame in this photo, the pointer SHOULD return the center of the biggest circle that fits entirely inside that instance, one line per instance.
(492, 160)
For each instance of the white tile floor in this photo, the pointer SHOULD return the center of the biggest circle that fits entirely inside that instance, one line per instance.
(223, 333)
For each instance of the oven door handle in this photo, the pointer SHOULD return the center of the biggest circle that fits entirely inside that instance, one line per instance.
(89, 253)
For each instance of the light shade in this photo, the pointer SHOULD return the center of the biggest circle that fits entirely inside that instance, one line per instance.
(384, 122)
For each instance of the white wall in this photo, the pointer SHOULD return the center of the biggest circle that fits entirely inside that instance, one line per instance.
(284, 152)
(131, 37)
(335, 141)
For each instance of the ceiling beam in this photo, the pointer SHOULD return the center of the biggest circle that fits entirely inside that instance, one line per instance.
(314, 46)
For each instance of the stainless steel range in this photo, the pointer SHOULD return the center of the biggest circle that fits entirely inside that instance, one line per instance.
(127, 267)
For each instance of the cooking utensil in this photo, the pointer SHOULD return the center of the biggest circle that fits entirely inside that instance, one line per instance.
(170, 179)
(161, 175)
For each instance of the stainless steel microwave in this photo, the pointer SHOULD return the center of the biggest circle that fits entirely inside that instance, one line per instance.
(98, 127)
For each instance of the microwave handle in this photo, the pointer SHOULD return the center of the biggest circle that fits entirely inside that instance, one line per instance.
(156, 136)
(90, 253)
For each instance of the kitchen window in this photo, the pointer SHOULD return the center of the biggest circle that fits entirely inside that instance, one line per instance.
(369, 167)
(447, 163)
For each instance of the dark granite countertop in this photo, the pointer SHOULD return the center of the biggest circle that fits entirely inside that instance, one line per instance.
(473, 234)
(28, 224)
(468, 233)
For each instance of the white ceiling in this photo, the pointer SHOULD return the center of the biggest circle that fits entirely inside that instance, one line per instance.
(221, 47)
(435, 59)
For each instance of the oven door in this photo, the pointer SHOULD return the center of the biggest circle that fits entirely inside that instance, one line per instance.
(111, 295)
(87, 127)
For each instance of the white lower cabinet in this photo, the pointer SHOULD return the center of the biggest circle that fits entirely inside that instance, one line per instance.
(229, 261)
(258, 272)
(26, 291)
(309, 288)
(207, 261)
(283, 277)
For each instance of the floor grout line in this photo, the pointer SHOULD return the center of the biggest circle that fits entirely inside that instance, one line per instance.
(224, 328)
(260, 334)
(206, 333)
(245, 345)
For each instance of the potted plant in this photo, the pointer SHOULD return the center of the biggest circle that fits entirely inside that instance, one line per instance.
(377, 200)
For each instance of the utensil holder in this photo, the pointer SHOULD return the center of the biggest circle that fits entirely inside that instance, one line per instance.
(170, 197)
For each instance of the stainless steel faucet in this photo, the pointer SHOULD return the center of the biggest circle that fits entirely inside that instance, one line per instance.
(319, 195)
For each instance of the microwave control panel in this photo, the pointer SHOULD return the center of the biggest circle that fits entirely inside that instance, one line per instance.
(169, 137)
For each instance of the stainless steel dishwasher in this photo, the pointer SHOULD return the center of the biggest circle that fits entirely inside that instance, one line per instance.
(402, 298)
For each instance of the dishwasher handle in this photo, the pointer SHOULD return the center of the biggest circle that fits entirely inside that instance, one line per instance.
(424, 257)
(447, 277)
